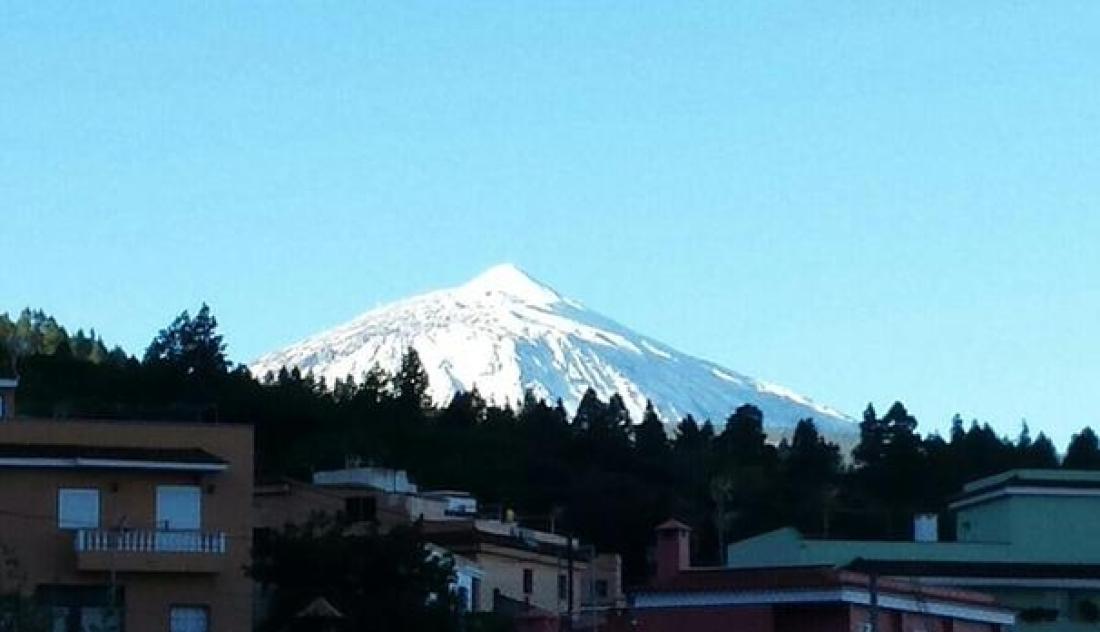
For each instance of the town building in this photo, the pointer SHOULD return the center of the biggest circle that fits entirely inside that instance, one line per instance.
(820, 598)
(501, 565)
(1027, 537)
(128, 525)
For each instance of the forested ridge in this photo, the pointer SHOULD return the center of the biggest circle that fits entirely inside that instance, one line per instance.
(597, 473)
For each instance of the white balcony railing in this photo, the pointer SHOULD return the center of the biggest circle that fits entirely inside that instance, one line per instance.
(150, 541)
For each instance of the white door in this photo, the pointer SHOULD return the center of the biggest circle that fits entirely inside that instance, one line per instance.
(179, 517)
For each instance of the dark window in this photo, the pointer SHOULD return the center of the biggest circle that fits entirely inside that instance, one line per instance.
(360, 509)
(475, 595)
(262, 537)
(528, 581)
(188, 619)
(78, 608)
(601, 588)
(563, 587)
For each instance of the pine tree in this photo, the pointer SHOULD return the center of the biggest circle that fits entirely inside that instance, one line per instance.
(650, 440)
(378, 385)
(7, 361)
(871, 450)
(743, 440)
(811, 470)
(411, 383)
(189, 345)
(1083, 452)
(688, 434)
(1040, 454)
(466, 410)
(591, 412)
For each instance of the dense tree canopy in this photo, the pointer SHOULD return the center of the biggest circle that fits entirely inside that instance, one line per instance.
(386, 582)
(595, 473)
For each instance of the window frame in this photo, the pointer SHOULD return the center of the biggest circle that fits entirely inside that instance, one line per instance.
(204, 608)
(165, 494)
(71, 525)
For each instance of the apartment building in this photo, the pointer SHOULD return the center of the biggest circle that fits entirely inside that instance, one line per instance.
(131, 526)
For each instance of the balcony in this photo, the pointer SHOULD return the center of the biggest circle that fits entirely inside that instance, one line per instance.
(150, 550)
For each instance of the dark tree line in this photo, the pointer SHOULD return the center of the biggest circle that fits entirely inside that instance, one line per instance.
(597, 472)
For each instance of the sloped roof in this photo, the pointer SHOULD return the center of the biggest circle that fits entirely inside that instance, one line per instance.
(113, 457)
(319, 608)
(672, 525)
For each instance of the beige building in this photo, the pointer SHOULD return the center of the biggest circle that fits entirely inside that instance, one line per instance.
(129, 525)
(502, 566)
(531, 568)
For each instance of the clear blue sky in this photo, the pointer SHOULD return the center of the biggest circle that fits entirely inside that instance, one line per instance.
(862, 201)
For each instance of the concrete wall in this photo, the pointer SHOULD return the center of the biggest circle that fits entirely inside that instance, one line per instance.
(987, 522)
(46, 553)
(1057, 528)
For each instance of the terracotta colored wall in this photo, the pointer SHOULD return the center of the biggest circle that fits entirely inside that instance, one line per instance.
(673, 553)
(47, 553)
(705, 620)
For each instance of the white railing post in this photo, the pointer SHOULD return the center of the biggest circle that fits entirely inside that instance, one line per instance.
(150, 540)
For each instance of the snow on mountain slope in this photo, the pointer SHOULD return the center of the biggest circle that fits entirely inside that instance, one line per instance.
(504, 332)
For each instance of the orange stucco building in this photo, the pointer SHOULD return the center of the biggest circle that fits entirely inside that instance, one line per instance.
(137, 526)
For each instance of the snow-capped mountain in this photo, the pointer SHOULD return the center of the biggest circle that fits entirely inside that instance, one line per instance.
(504, 332)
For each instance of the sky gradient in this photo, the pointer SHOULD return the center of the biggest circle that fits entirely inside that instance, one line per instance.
(860, 202)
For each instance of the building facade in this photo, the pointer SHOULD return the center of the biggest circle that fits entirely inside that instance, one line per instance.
(501, 565)
(1026, 537)
(794, 599)
(129, 525)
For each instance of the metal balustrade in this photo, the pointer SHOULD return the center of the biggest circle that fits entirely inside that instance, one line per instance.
(150, 541)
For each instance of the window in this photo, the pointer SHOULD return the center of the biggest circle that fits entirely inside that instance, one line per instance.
(188, 619)
(563, 587)
(361, 509)
(601, 588)
(179, 516)
(528, 581)
(179, 507)
(71, 608)
(77, 508)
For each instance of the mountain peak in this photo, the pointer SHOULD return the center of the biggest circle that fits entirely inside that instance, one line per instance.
(507, 279)
(509, 334)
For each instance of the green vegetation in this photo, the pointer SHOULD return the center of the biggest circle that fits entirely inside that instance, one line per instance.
(596, 473)
(384, 582)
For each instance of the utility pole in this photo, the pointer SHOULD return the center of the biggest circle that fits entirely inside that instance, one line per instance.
(569, 572)
(872, 587)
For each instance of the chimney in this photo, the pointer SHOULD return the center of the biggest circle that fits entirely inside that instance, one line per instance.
(926, 527)
(673, 549)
